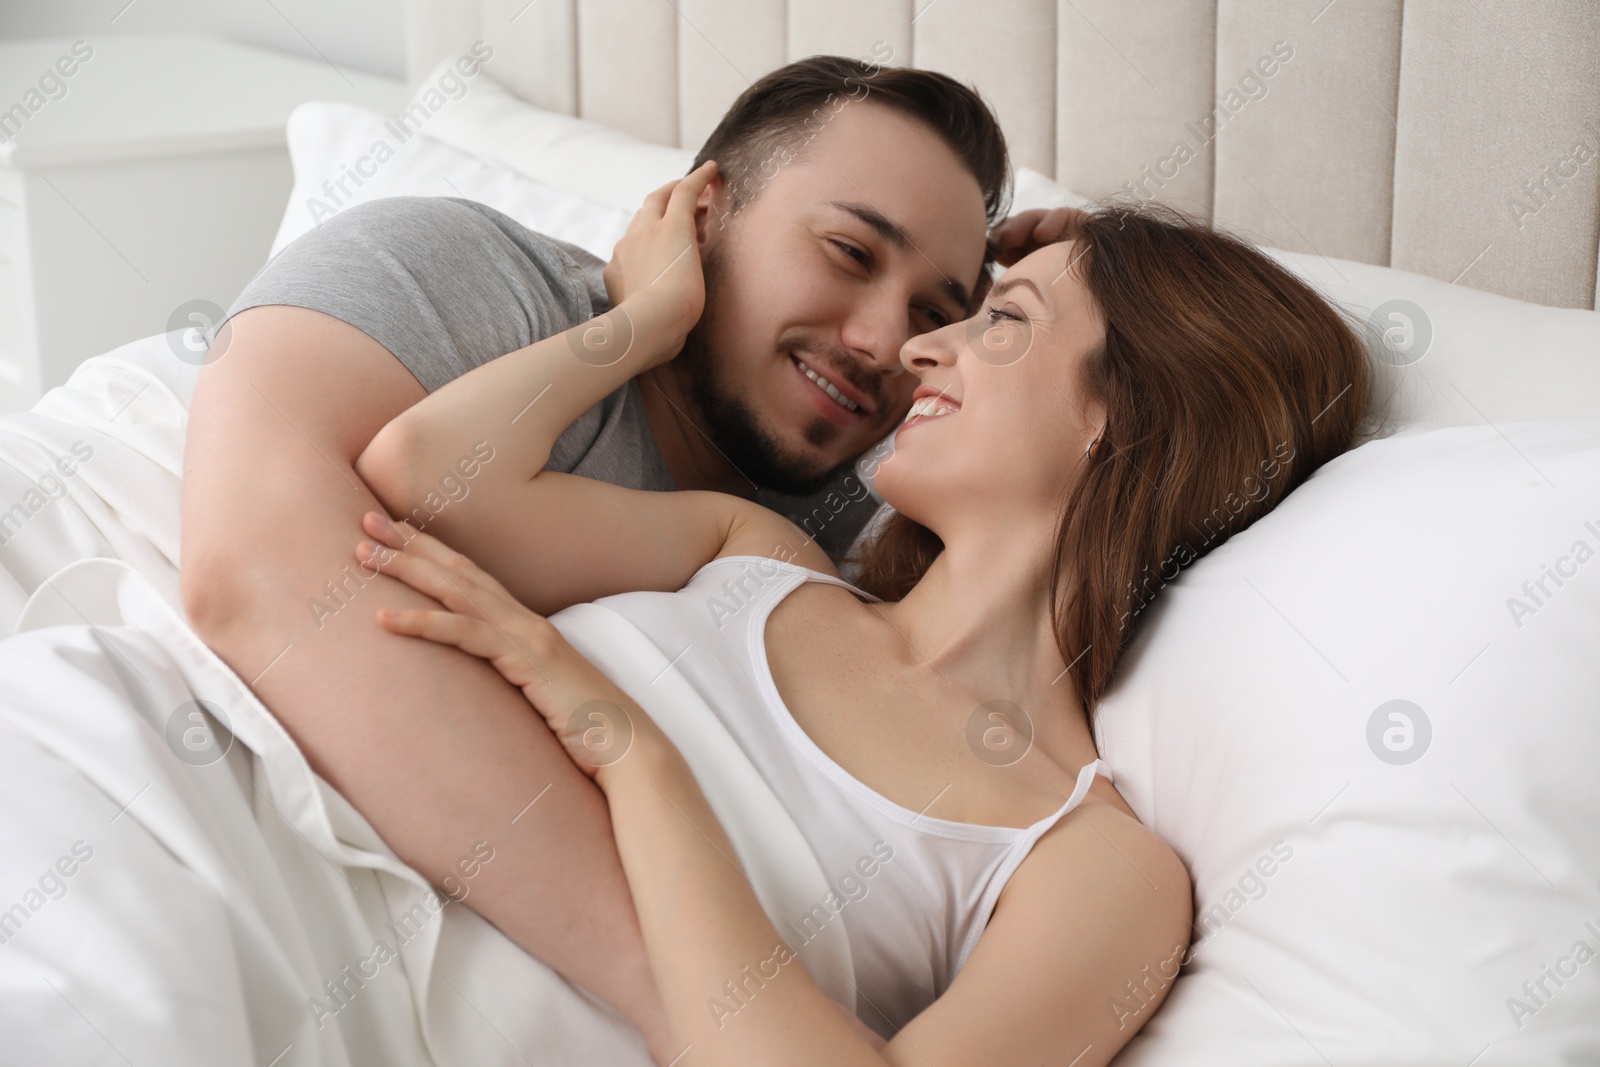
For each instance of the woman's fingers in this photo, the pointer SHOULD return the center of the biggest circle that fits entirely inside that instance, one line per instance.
(679, 212)
(1017, 229)
(482, 622)
(1056, 223)
(432, 567)
(662, 201)
(655, 205)
(649, 213)
(690, 187)
(1028, 231)
(1014, 238)
(522, 646)
(472, 636)
(394, 534)
(509, 652)
(657, 235)
(405, 537)
(455, 591)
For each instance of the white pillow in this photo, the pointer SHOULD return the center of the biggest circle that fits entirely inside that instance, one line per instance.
(330, 142)
(563, 152)
(1030, 189)
(1398, 907)
(1349, 909)
(1473, 357)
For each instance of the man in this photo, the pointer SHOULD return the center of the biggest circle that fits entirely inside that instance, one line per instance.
(848, 215)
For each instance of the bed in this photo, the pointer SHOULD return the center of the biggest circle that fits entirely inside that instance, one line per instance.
(1367, 724)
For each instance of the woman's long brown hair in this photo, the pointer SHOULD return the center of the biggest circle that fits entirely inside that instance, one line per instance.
(1226, 380)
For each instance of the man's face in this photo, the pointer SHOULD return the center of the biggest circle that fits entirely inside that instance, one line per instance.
(873, 235)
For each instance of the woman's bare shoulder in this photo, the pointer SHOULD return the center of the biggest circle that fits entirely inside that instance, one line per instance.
(1100, 903)
(1107, 868)
(1112, 857)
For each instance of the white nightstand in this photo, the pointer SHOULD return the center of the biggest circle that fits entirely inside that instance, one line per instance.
(152, 175)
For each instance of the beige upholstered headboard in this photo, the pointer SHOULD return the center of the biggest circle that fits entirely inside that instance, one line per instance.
(1454, 138)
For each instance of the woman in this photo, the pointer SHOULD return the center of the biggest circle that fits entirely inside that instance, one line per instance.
(1127, 398)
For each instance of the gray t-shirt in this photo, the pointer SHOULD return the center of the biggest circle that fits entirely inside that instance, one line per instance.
(448, 284)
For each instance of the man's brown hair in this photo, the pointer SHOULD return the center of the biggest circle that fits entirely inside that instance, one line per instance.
(774, 120)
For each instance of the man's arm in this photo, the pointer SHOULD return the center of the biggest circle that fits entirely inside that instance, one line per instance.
(433, 747)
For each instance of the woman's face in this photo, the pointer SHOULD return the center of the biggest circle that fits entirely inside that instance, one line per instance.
(1015, 421)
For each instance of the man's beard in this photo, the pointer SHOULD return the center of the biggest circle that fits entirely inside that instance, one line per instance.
(733, 424)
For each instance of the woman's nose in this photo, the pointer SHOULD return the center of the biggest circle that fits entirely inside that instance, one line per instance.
(927, 350)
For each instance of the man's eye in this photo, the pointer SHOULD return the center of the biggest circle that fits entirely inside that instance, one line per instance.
(937, 317)
(850, 250)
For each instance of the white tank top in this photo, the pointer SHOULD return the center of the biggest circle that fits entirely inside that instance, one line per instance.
(914, 892)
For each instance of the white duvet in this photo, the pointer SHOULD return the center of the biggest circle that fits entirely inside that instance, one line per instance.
(1436, 912)
(159, 908)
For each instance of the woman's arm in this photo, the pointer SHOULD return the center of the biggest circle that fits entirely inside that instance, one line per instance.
(1082, 947)
(1088, 937)
(467, 462)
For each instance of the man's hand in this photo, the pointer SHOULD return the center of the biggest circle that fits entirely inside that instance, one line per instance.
(1028, 231)
(661, 250)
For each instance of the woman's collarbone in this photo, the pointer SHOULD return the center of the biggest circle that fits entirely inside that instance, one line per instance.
(895, 725)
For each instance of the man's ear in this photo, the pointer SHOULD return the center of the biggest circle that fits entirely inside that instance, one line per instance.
(711, 210)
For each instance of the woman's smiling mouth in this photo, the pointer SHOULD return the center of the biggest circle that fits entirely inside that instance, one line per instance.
(929, 406)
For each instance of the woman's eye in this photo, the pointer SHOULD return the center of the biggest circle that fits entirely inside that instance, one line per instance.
(850, 250)
(996, 314)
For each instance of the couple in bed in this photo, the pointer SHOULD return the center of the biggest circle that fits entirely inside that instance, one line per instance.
(1072, 431)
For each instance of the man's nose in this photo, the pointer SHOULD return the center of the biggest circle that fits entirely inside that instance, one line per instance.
(876, 328)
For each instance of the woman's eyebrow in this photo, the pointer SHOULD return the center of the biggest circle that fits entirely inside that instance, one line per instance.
(1005, 285)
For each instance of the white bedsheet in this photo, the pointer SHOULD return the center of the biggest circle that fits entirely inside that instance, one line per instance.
(126, 410)
(153, 911)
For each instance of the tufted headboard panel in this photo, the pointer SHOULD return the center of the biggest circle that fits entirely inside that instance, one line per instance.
(1455, 138)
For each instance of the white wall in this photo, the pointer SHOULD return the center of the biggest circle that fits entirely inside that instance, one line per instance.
(364, 35)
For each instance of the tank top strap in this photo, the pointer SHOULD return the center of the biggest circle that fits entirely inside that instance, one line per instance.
(805, 573)
(1080, 790)
(1017, 851)
(828, 579)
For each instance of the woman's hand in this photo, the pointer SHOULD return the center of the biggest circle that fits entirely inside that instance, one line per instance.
(594, 720)
(1028, 231)
(660, 254)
